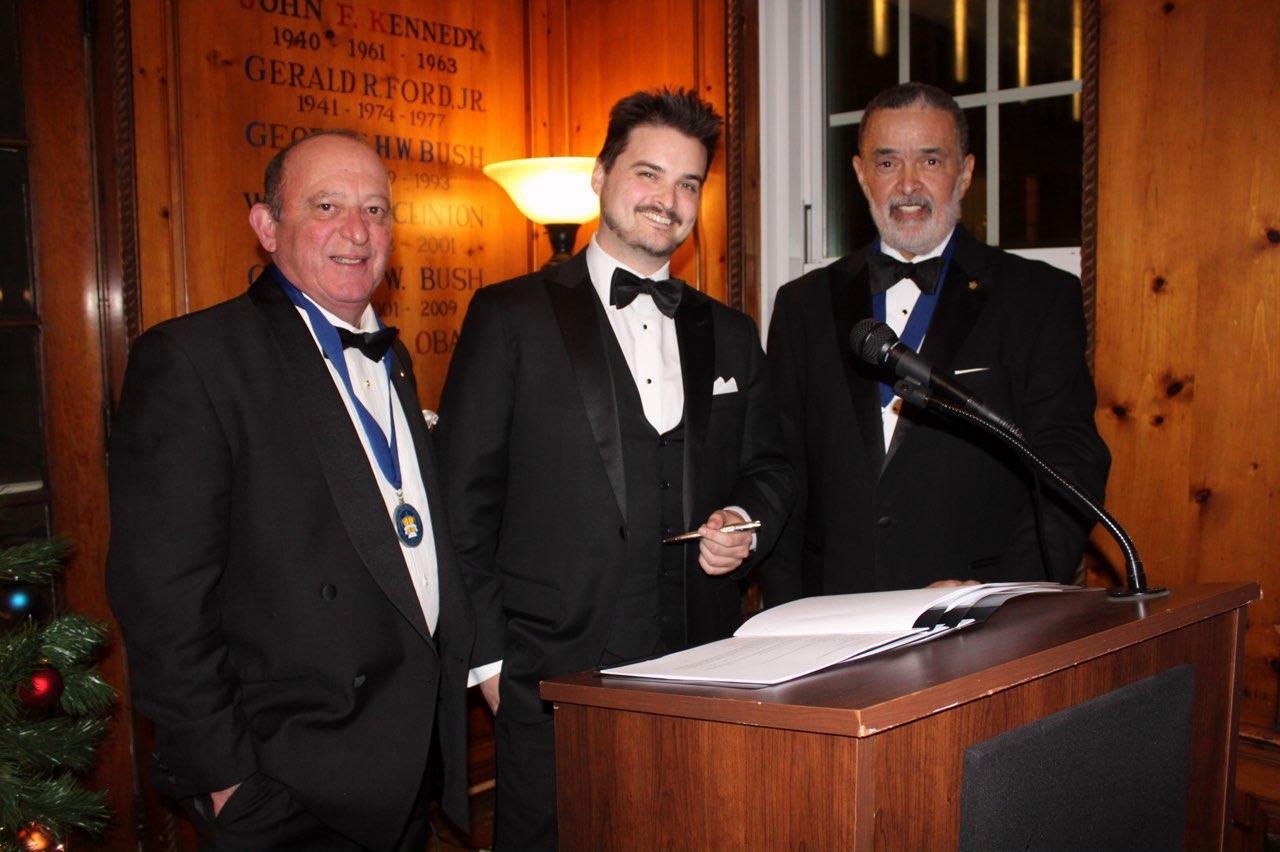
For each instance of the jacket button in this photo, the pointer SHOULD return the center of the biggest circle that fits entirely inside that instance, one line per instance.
(665, 484)
(885, 521)
(328, 591)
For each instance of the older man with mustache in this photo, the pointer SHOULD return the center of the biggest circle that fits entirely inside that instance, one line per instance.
(891, 496)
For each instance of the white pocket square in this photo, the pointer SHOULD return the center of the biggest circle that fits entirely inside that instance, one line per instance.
(722, 385)
(970, 370)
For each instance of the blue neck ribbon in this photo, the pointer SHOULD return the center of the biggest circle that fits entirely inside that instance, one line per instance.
(384, 450)
(921, 314)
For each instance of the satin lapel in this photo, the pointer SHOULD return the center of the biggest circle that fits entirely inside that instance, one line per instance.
(695, 334)
(963, 296)
(343, 461)
(851, 302)
(578, 312)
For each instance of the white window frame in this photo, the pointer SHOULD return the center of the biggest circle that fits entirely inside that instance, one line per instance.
(792, 136)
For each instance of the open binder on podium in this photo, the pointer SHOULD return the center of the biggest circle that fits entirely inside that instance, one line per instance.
(811, 634)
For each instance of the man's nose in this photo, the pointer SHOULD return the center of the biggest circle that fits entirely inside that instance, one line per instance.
(665, 195)
(355, 228)
(909, 179)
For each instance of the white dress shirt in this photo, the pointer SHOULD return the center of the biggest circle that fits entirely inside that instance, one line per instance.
(648, 341)
(899, 302)
(370, 382)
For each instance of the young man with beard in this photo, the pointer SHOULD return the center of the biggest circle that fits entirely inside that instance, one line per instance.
(590, 410)
(890, 496)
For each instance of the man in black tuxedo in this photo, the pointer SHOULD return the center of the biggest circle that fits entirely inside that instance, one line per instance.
(890, 496)
(586, 415)
(280, 563)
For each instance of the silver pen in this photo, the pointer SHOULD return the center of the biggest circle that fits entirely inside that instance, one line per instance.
(694, 534)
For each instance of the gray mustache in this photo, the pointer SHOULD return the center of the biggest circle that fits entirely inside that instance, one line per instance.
(910, 200)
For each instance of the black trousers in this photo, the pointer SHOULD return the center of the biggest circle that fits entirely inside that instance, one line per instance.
(525, 797)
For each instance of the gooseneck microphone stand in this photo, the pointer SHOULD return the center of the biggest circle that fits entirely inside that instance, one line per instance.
(1136, 579)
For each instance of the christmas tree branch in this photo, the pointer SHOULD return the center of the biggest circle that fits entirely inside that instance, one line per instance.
(70, 639)
(19, 655)
(59, 804)
(36, 562)
(54, 705)
(52, 745)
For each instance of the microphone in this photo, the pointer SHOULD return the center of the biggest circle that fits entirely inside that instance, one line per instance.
(876, 343)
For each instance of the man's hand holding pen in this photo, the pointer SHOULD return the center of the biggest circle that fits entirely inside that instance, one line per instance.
(719, 551)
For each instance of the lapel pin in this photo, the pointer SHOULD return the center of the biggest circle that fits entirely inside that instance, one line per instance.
(974, 285)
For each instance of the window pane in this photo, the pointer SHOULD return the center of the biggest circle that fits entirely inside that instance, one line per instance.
(1039, 42)
(1041, 149)
(11, 92)
(947, 38)
(948, 44)
(861, 51)
(849, 223)
(15, 270)
(973, 210)
(23, 523)
(22, 450)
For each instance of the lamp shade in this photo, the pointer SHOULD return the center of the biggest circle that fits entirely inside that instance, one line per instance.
(549, 190)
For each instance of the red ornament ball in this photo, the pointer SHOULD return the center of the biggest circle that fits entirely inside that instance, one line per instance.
(43, 690)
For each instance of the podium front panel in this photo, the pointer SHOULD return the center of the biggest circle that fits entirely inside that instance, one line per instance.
(871, 754)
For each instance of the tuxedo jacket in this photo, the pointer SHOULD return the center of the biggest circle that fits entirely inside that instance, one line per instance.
(946, 501)
(529, 434)
(269, 617)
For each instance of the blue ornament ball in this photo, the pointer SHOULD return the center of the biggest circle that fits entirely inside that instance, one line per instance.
(21, 600)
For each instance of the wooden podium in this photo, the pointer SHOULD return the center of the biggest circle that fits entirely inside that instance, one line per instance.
(873, 754)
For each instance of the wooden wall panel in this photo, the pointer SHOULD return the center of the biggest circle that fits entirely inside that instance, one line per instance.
(1188, 318)
(612, 51)
(161, 293)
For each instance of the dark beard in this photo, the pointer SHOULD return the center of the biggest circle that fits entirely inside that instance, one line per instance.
(656, 253)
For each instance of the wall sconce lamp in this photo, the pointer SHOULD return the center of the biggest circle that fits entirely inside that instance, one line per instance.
(554, 192)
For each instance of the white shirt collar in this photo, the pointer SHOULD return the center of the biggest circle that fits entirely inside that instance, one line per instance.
(368, 319)
(600, 264)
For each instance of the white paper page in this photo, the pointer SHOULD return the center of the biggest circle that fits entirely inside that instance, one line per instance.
(757, 660)
(870, 612)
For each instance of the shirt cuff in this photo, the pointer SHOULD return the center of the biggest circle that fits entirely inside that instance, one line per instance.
(480, 674)
(746, 516)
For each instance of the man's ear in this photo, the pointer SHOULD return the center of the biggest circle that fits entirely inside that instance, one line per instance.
(264, 225)
(966, 174)
(857, 171)
(597, 177)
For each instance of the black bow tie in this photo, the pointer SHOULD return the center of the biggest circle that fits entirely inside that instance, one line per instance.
(625, 286)
(374, 344)
(887, 271)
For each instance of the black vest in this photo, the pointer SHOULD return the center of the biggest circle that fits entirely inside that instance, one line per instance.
(650, 615)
